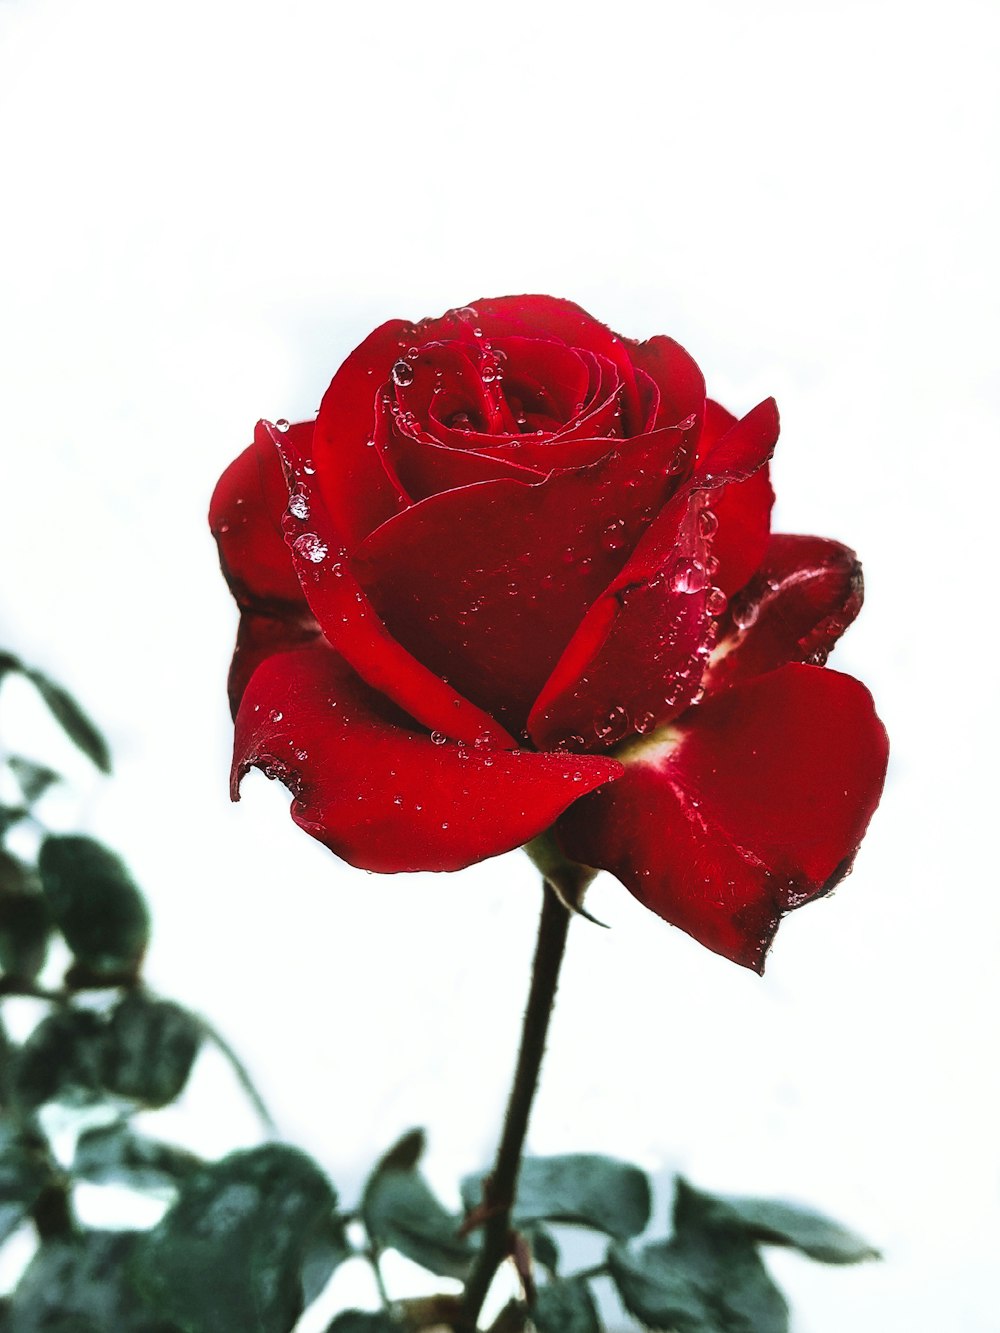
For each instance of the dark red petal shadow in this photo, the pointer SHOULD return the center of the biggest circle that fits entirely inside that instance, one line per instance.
(753, 804)
(806, 593)
(347, 617)
(261, 636)
(378, 790)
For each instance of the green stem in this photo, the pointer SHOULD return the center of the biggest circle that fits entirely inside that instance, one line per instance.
(501, 1186)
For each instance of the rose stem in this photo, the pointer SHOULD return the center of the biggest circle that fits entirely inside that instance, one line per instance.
(501, 1185)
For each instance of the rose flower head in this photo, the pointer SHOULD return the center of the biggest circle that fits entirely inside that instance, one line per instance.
(518, 579)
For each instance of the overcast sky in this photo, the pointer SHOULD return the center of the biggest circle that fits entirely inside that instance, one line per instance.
(206, 205)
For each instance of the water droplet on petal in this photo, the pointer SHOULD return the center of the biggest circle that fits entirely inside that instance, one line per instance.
(688, 576)
(438, 738)
(310, 547)
(715, 602)
(301, 754)
(298, 504)
(707, 522)
(402, 374)
(275, 715)
(645, 723)
(397, 800)
(611, 726)
(282, 425)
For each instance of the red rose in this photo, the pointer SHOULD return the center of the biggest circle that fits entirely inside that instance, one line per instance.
(518, 575)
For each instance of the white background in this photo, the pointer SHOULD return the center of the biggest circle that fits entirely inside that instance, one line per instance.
(205, 206)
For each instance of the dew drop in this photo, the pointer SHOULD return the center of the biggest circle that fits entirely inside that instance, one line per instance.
(645, 723)
(402, 374)
(275, 715)
(282, 424)
(397, 800)
(715, 602)
(707, 522)
(308, 469)
(745, 612)
(688, 576)
(301, 754)
(611, 726)
(310, 547)
(438, 738)
(298, 505)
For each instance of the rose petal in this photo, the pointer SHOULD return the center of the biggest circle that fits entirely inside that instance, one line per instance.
(743, 511)
(245, 519)
(487, 584)
(679, 381)
(753, 804)
(637, 657)
(553, 318)
(261, 636)
(806, 593)
(346, 615)
(359, 494)
(377, 789)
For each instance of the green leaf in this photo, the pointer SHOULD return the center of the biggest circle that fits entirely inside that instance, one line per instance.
(25, 925)
(152, 1045)
(73, 720)
(24, 1173)
(33, 779)
(565, 1307)
(360, 1321)
(700, 1284)
(771, 1222)
(249, 1241)
(400, 1211)
(603, 1193)
(544, 1249)
(63, 1060)
(95, 903)
(11, 815)
(81, 1285)
(116, 1153)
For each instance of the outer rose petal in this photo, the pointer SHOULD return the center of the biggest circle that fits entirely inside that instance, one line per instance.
(245, 518)
(376, 789)
(754, 804)
(676, 375)
(637, 657)
(796, 607)
(358, 492)
(743, 510)
(261, 636)
(347, 617)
